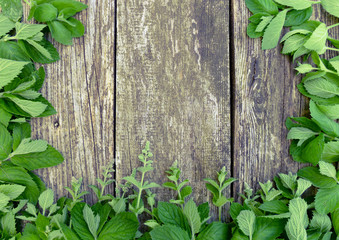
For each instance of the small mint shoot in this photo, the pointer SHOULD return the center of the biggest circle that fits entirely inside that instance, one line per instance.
(217, 187)
(76, 192)
(141, 185)
(107, 174)
(183, 191)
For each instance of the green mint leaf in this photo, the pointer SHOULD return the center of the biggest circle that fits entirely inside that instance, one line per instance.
(273, 31)
(122, 226)
(331, 111)
(169, 232)
(9, 70)
(327, 200)
(26, 146)
(265, 20)
(20, 132)
(45, 12)
(67, 232)
(41, 223)
(46, 199)
(295, 227)
(172, 215)
(29, 94)
(11, 9)
(31, 161)
(305, 68)
(328, 170)
(79, 224)
(312, 152)
(268, 229)
(297, 17)
(294, 43)
(19, 175)
(320, 222)
(327, 125)
(313, 174)
(25, 31)
(91, 220)
(4, 200)
(5, 25)
(274, 206)
(41, 56)
(296, 4)
(291, 33)
(40, 48)
(262, 6)
(321, 87)
(6, 143)
(215, 231)
(235, 210)
(317, 41)
(77, 30)
(60, 33)
(69, 4)
(331, 6)
(8, 224)
(331, 152)
(303, 185)
(192, 215)
(300, 133)
(335, 220)
(251, 31)
(12, 190)
(246, 222)
(5, 117)
(33, 108)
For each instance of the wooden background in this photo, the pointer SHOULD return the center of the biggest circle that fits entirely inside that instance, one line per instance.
(181, 74)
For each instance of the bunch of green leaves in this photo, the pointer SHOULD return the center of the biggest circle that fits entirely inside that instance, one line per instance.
(217, 187)
(107, 172)
(314, 139)
(21, 150)
(284, 215)
(326, 178)
(269, 17)
(173, 174)
(189, 222)
(10, 206)
(58, 15)
(137, 205)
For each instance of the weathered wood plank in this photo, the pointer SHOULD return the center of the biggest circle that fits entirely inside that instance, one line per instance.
(265, 95)
(81, 87)
(173, 88)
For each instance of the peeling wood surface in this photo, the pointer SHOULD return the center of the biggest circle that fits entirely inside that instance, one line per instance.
(173, 88)
(187, 79)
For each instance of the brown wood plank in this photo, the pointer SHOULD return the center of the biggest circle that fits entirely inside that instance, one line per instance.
(81, 88)
(265, 94)
(173, 88)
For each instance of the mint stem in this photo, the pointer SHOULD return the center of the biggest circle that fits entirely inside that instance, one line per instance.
(332, 26)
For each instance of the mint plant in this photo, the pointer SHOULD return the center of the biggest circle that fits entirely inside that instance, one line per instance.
(216, 188)
(137, 205)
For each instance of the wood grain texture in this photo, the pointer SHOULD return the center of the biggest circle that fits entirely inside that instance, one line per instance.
(265, 94)
(173, 88)
(81, 88)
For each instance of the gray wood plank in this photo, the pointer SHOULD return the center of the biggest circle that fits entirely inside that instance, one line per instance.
(81, 88)
(173, 88)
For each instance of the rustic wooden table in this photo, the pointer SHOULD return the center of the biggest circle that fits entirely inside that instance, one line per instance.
(181, 74)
